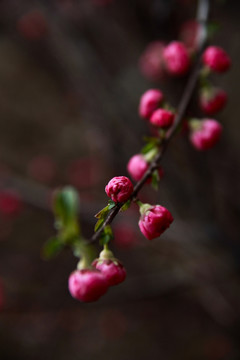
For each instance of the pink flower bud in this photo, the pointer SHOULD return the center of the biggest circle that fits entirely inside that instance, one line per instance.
(119, 188)
(151, 61)
(87, 285)
(137, 166)
(113, 270)
(216, 59)
(177, 60)
(154, 221)
(162, 118)
(206, 135)
(149, 102)
(213, 101)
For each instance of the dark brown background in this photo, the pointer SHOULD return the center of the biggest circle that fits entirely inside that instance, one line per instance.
(74, 94)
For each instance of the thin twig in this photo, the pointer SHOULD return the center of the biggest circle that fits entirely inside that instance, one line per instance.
(202, 17)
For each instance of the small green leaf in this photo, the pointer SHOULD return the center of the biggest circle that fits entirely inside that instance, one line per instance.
(102, 213)
(66, 204)
(126, 205)
(111, 204)
(149, 146)
(155, 180)
(51, 248)
(98, 224)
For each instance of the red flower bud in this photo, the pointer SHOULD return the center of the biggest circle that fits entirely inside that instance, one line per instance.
(151, 61)
(119, 188)
(216, 59)
(87, 285)
(137, 166)
(177, 60)
(206, 135)
(213, 101)
(154, 220)
(162, 118)
(113, 270)
(149, 102)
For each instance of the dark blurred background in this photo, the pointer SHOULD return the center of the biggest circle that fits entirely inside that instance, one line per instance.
(70, 84)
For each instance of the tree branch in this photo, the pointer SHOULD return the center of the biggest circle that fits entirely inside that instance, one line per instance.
(202, 17)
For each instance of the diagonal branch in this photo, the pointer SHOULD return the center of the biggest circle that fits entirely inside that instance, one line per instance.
(202, 18)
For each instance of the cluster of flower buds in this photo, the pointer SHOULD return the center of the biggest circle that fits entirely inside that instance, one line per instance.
(159, 59)
(204, 134)
(92, 279)
(174, 59)
(89, 284)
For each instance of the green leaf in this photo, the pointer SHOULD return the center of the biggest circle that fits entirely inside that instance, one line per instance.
(51, 248)
(155, 180)
(149, 146)
(66, 205)
(98, 224)
(102, 213)
(111, 204)
(126, 205)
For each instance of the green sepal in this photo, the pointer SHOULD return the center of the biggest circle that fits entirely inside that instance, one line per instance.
(126, 205)
(194, 124)
(85, 252)
(52, 248)
(106, 236)
(144, 208)
(111, 204)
